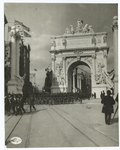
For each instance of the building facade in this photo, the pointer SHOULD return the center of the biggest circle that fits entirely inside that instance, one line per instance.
(17, 61)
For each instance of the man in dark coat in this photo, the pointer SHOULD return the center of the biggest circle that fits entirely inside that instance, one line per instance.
(108, 103)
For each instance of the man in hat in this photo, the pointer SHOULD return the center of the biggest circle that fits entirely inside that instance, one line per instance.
(108, 103)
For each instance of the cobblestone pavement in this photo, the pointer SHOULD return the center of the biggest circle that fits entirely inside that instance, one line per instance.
(69, 125)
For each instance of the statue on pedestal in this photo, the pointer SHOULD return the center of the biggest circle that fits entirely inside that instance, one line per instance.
(80, 28)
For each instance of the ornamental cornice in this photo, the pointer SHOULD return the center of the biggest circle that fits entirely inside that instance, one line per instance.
(78, 35)
(80, 49)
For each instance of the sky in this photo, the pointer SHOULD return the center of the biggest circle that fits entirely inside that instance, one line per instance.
(47, 19)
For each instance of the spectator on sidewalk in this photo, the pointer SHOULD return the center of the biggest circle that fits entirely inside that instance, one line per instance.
(94, 95)
(101, 95)
(108, 103)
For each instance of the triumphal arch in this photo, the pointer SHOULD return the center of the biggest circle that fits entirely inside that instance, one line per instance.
(79, 45)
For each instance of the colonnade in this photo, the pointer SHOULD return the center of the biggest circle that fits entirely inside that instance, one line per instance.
(76, 80)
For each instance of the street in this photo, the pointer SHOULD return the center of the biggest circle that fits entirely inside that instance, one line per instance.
(69, 125)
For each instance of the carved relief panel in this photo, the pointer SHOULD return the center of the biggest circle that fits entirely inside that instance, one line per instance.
(59, 74)
(100, 76)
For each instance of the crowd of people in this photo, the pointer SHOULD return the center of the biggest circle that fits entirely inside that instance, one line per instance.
(14, 103)
(61, 98)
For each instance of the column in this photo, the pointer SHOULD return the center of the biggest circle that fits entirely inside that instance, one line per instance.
(80, 83)
(77, 82)
(115, 48)
(18, 41)
(13, 83)
(64, 69)
(105, 61)
(76, 77)
(13, 62)
(94, 69)
(73, 81)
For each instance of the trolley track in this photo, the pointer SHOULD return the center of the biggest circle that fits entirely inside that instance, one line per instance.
(28, 133)
(67, 120)
(87, 125)
(96, 145)
(54, 121)
(55, 109)
(13, 128)
(8, 119)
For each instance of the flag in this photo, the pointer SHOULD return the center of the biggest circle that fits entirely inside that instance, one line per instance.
(18, 22)
(26, 34)
(24, 27)
(35, 69)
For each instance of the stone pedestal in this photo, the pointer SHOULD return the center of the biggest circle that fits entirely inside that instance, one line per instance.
(12, 86)
(58, 89)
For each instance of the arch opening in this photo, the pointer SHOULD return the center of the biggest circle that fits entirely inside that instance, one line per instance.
(79, 77)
